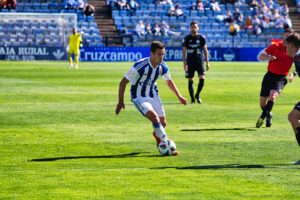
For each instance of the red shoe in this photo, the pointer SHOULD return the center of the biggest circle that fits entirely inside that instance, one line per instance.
(158, 140)
(175, 153)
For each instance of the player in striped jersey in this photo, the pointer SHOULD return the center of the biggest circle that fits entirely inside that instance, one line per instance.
(144, 94)
(73, 47)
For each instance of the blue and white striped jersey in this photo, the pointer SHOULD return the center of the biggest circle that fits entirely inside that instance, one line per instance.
(143, 76)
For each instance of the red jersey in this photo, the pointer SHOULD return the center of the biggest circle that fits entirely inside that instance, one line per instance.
(283, 63)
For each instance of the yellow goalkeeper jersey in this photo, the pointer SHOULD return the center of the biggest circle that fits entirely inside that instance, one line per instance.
(74, 41)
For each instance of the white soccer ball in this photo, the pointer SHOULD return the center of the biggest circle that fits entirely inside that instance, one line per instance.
(167, 148)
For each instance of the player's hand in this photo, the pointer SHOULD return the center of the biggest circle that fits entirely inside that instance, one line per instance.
(291, 78)
(119, 107)
(185, 68)
(182, 100)
(272, 58)
(207, 66)
(68, 48)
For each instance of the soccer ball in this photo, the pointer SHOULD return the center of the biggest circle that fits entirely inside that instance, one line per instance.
(167, 148)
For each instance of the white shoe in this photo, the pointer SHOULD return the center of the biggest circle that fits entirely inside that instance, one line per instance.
(70, 66)
(296, 163)
(76, 66)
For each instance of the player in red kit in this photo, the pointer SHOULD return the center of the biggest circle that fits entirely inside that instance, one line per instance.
(274, 80)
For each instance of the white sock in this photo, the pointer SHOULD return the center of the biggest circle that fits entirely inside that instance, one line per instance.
(160, 131)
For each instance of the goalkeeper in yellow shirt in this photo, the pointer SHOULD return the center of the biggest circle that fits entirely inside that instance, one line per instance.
(73, 47)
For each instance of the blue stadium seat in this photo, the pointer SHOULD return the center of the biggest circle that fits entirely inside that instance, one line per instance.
(115, 13)
(90, 18)
(123, 13)
(27, 6)
(37, 31)
(36, 6)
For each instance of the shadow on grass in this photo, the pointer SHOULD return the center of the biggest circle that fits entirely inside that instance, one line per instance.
(134, 154)
(221, 129)
(228, 166)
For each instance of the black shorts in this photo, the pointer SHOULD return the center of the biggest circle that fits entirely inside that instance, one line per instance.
(297, 106)
(272, 82)
(199, 67)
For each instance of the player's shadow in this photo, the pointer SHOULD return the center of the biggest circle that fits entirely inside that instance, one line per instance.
(220, 129)
(216, 167)
(134, 154)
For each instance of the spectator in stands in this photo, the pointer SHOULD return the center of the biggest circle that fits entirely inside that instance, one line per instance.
(11, 4)
(284, 10)
(230, 2)
(255, 21)
(234, 28)
(156, 29)
(123, 29)
(287, 23)
(256, 30)
(270, 4)
(79, 4)
(170, 8)
(264, 23)
(165, 29)
(274, 15)
(122, 4)
(198, 5)
(161, 2)
(2, 4)
(228, 18)
(253, 4)
(140, 29)
(70, 4)
(248, 24)
(278, 23)
(89, 10)
(262, 7)
(132, 6)
(215, 5)
(113, 4)
(148, 29)
(207, 6)
(178, 11)
(238, 16)
(267, 13)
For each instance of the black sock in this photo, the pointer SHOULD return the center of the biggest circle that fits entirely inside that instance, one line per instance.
(200, 86)
(298, 135)
(267, 109)
(191, 90)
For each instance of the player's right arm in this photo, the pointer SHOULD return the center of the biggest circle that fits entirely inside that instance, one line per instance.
(122, 88)
(131, 76)
(184, 45)
(266, 54)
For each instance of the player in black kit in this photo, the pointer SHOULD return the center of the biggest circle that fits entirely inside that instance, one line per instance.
(193, 47)
(292, 44)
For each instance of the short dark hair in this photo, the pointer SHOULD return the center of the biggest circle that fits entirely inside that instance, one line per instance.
(289, 30)
(156, 44)
(294, 39)
(193, 22)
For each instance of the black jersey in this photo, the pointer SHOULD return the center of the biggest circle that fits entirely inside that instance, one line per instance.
(297, 63)
(194, 47)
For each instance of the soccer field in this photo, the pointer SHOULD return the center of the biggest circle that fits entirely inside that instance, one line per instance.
(60, 137)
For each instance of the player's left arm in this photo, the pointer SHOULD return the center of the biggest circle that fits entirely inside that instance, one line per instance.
(206, 57)
(174, 89)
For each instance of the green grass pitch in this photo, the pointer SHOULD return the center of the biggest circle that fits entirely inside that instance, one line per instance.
(60, 137)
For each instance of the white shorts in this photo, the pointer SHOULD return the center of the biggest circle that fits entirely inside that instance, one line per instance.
(144, 104)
